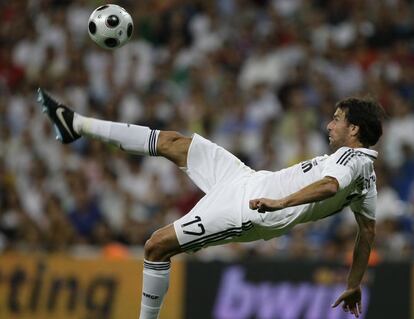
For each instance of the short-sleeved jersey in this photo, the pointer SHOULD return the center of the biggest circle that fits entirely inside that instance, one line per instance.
(223, 214)
(353, 169)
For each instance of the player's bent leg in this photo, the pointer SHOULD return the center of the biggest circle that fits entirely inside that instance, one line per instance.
(162, 245)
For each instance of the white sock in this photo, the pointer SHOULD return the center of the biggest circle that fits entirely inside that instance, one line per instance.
(156, 277)
(131, 138)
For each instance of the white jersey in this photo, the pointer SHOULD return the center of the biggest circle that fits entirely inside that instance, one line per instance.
(223, 214)
(353, 169)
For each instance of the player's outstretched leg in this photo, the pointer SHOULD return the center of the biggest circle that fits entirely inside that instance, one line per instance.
(163, 244)
(131, 138)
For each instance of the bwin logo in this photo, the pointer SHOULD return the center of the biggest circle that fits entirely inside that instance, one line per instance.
(238, 298)
(150, 296)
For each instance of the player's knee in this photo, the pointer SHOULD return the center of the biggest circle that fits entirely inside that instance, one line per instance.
(156, 248)
(167, 139)
(173, 146)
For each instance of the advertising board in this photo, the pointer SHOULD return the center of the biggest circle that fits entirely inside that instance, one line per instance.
(291, 290)
(46, 287)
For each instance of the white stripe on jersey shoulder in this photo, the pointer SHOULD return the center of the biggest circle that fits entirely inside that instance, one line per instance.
(348, 153)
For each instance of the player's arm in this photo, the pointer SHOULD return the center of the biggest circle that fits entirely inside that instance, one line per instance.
(362, 249)
(351, 297)
(317, 191)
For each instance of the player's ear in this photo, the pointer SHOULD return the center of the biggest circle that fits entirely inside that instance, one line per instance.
(354, 129)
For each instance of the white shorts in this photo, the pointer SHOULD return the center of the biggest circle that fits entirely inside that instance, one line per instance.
(217, 218)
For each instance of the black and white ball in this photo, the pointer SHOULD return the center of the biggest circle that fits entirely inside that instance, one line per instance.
(110, 26)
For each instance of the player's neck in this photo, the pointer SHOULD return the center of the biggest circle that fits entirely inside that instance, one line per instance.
(354, 144)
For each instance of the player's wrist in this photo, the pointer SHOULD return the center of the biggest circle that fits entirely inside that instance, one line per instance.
(353, 286)
(282, 203)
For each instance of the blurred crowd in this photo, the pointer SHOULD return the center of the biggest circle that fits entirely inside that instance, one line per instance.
(259, 77)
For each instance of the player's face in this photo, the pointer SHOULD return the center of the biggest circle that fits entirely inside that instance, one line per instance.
(339, 130)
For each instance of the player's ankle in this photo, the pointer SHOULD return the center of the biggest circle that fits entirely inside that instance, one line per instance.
(78, 123)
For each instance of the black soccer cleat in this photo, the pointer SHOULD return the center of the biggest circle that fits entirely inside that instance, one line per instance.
(60, 115)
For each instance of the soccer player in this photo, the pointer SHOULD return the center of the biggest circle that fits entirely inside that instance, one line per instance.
(241, 204)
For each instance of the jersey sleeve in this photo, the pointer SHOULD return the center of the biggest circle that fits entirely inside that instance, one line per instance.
(367, 205)
(340, 166)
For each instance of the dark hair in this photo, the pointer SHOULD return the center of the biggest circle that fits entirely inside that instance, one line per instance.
(365, 113)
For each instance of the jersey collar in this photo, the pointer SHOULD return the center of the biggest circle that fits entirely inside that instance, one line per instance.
(371, 153)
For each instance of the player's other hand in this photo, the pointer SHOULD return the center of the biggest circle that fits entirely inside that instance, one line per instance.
(351, 299)
(263, 205)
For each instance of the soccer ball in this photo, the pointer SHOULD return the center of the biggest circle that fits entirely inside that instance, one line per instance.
(110, 26)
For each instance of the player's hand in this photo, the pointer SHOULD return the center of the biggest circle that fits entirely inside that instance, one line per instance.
(351, 299)
(265, 204)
